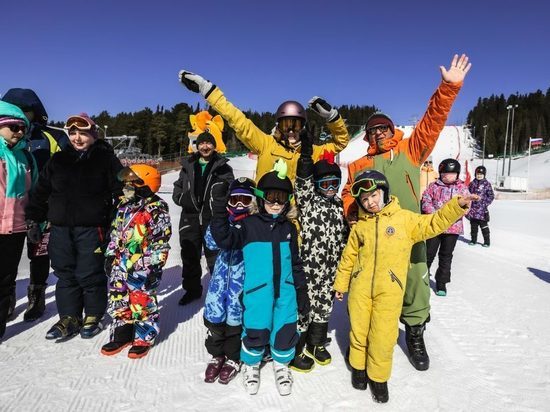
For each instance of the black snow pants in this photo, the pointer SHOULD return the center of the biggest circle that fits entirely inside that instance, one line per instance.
(11, 249)
(222, 339)
(484, 225)
(446, 244)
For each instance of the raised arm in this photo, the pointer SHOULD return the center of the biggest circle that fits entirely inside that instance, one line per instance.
(335, 123)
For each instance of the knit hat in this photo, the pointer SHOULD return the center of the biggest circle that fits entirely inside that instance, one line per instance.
(82, 122)
(326, 166)
(380, 118)
(11, 114)
(205, 137)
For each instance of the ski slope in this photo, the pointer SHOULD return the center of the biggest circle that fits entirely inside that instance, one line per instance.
(488, 341)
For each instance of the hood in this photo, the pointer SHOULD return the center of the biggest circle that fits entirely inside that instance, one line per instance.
(27, 99)
(388, 143)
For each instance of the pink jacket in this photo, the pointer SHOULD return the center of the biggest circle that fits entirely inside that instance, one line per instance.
(437, 194)
(12, 209)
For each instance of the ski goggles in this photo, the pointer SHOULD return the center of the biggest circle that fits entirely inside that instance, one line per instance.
(272, 196)
(290, 124)
(328, 183)
(127, 175)
(240, 199)
(365, 185)
(79, 123)
(383, 128)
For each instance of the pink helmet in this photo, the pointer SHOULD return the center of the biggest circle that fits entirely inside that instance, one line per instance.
(291, 108)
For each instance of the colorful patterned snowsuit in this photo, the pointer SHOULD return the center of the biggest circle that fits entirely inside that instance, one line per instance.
(139, 244)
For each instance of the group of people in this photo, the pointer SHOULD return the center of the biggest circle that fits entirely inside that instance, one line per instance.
(279, 249)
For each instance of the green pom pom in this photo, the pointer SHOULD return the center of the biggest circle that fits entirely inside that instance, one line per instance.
(281, 168)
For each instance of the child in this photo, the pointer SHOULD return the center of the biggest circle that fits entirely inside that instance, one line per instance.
(137, 251)
(479, 213)
(274, 284)
(374, 269)
(17, 172)
(324, 233)
(436, 194)
(222, 308)
(76, 193)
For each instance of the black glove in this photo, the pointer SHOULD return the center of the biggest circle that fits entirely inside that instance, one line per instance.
(34, 234)
(306, 137)
(218, 199)
(108, 264)
(153, 277)
(195, 83)
(303, 301)
(323, 109)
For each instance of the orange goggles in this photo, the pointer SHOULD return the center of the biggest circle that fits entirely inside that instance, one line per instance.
(78, 122)
(290, 124)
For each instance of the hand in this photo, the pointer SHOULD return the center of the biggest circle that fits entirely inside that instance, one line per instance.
(34, 234)
(352, 218)
(218, 199)
(108, 264)
(466, 201)
(457, 71)
(306, 137)
(323, 109)
(302, 299)
(339, 296)
(195, 83)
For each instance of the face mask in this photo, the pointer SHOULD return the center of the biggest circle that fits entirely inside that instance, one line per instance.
(129, 191)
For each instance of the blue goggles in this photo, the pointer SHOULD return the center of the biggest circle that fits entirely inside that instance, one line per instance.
(328, 183)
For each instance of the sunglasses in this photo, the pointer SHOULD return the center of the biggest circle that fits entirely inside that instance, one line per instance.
(365, 185)
(78, 122)
(240, 199)
(127, 175)
(274, 196)
(16, 128)
(428, 162)
(383, 128)
(328, 183)
(288, 124)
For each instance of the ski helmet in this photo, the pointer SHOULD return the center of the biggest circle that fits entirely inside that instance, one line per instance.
(141, 175)
(291, 108)
(449, 166)
(242, 185)
(370, 180)
(481, 170)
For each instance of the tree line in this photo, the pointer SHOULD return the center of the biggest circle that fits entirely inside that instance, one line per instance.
(531, 119)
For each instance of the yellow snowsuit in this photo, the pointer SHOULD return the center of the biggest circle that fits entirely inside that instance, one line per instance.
(264, 145)
(374, 268)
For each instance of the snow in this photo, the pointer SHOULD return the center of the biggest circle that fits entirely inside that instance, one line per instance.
(488, 340)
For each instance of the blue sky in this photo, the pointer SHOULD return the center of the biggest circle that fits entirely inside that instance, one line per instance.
(125, 55)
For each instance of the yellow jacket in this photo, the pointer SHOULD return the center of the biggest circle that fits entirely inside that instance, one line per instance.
(265, 145)
(374, 268)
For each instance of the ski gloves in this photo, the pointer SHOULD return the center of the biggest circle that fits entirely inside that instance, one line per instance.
(34, 234)
(218, 199)
(196, 83)
(302, 299)
(323, 109)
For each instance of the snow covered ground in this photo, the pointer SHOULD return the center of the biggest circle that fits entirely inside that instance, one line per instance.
(488, 342)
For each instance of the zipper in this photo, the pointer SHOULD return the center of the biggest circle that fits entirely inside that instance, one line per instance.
(205, 193)
(409, 182)
(375, 256)
(256, 288)
(192, 195)
(394, 278)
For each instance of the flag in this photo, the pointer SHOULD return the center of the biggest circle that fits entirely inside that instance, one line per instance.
(535, 141)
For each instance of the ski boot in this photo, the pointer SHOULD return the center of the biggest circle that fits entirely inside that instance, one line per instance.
(138, 351)
(440, 289)
(283, 378)
(316, 340)
(359, 379)
(37, 302)
(122, 337)
(302, 362)
(251, 378)
(229, 370)
(213, 369)
(65, 328)
(418, 356)
(190, 296)
(379, 391)
(93, 324)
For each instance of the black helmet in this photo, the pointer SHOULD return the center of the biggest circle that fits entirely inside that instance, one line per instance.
(481, 170)
(326, 166)
(242, 185)
(272, 181)
(449, 166)
(370, 180)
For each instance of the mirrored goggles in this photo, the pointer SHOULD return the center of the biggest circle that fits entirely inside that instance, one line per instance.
(328, 183)
(78, 122)
(364, 185)
(290, 124)
(240, 199)
(383, 128)
(274, 196)
(127, 175)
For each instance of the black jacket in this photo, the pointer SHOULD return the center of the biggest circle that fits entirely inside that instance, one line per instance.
(192, 191)
(77, 189)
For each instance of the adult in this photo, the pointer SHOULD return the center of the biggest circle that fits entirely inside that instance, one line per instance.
(285, 142)
(76, 193)
(200, 171)
(43, 142)
(400, 160)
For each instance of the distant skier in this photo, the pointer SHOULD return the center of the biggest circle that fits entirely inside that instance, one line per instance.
(137, 251)
(291, 119)
(400, 160)
(222, 307)
(447, 186)
(374, 270)
(479, 212)
(427, 174)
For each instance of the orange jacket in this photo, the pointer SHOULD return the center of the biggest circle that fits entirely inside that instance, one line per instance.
(401, 164)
